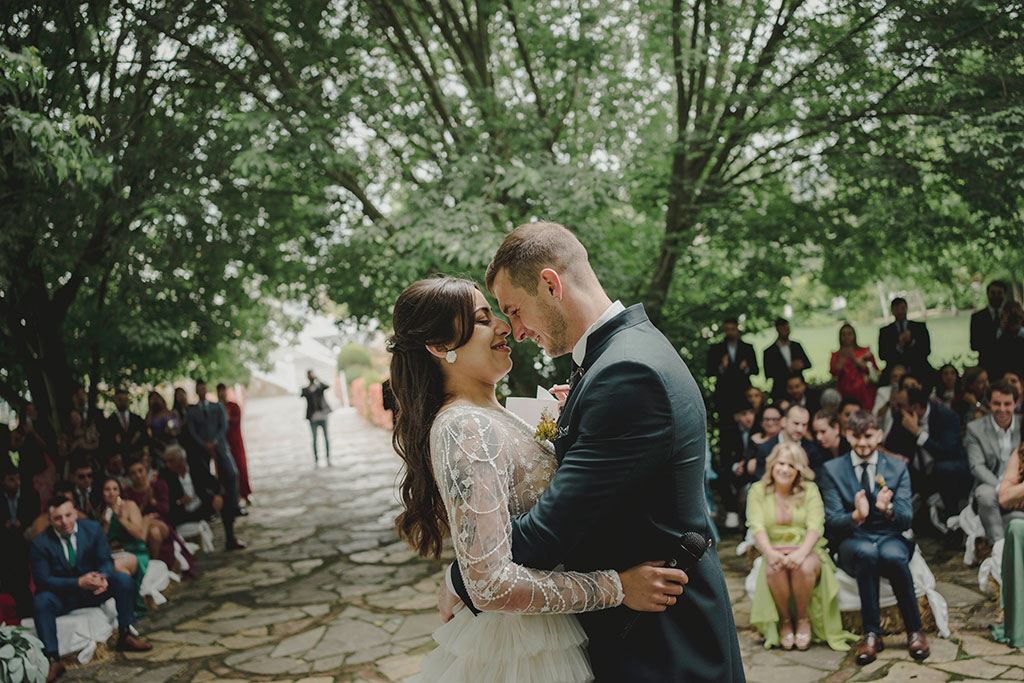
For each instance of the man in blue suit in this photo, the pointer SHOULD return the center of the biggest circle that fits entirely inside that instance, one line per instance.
(207, 424)
(73, 568)
(867, 509)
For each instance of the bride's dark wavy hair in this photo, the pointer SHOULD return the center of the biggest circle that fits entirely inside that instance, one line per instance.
(435, 312)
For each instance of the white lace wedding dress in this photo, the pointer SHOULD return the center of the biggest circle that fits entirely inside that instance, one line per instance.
(489, 468)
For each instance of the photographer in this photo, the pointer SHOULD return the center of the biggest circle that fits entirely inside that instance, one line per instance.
(1008, 349)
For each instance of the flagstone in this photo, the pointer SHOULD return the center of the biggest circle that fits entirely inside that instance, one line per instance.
(982, 647)
(402, 666)
(299, 643)
(1011, 658)
(978, 668)
(913, 672)
(784, 674)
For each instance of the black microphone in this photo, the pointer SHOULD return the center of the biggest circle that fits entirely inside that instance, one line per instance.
(691, 546)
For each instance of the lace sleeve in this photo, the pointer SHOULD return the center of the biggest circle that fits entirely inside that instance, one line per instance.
(473, 460)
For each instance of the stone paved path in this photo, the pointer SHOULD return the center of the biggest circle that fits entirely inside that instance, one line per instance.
(325, 592)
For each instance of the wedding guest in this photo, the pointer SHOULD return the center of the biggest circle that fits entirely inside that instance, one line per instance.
(62, 488)
(151, 495)
(317, 410)
(37, 469)
(1011, 499)
(847, 408)
(1007, 351)
(208, 427)
(18, 510)
(771, 425)
(797, 393)
(235, 444)
(974, 388)
(990, 441)
(195, 494)
(756, 399)
(854, 366)
(795, 422)
(867, 509)
(731, 475)
(164, 427)
(828, 434)
(884, 393)
(80, 404)
(985, 324)
(906, 342)
(945, 390)
(82, 437)
(786, 517)
(731, 362)
(82, 477)
(72, 567)
(125, 528)
(1015, 380)
(125, 432)
(784, 359)
(831, 400)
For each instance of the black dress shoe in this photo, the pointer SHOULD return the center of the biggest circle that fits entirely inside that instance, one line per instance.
(236, 545)
(242, 512)
(869, 648)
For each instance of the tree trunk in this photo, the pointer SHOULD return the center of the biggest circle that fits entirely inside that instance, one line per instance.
(679, 220)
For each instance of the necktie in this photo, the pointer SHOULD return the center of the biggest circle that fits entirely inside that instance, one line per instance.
(865, 483)
(72, 559)
(577, 372)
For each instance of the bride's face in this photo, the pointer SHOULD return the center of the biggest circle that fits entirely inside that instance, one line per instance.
(486, 357)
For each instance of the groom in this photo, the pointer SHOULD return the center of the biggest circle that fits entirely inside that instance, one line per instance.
(630, 445)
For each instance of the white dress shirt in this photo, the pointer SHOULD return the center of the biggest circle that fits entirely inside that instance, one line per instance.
(787, 352)
(1005, 436)
(189, 489)
(579, 352)
(872, 467)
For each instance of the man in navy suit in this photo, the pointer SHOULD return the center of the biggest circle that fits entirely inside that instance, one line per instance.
(631, 447)
(867, 509)
(73, 568)
(732, 362)
(784, 359)
(207, 424)
(906, 343)
(985, 326)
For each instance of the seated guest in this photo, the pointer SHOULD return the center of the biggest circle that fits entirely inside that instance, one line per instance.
(798, 394)
(755, 397)
(828, 436)
(786, 517)
(906, 342)
(928, 435)
(784, 359)
(771, 425)
(82, 477)
(73, 568)
(990, 441)
(974, 388)
(867, 509)
(63, 489)
(195, 494)
(831, 399)
(884, 393)
(847, 408)
(945, 390)
(794, 430)
(125, 432)
(113, 466)
(150, 495)
(733, 444)
(122, 521)
(853, 366)
(1015, 380)
(1011, 498)
(985, 325)
(18, 511)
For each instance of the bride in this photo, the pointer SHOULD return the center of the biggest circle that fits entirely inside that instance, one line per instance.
(470, 466)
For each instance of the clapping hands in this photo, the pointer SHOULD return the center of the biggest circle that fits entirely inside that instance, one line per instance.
(861, 507)
(884, 499)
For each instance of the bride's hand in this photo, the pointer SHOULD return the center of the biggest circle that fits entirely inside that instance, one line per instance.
(447, 603)
(651, 586)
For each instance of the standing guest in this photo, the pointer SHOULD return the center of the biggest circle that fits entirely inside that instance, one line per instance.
(854, 366)
(125, 432)
(1007, 351)
(37, 469)
(798, 394)
(968, 405)
(18, 510)
(195, 494)
(80, 404)
(82, 437)
(317, 410)
(125, 527)
(1011, 498)
(945, 390)
(990, 441)
(828, 434)
(795, 422)
(985, 325)
(235, 445)
(906, 342)
(164, 426)
(786, 517)
(784, 359)
(867, 509)
(847, 408)
(208, 427)
(731, 361)
(72, 568)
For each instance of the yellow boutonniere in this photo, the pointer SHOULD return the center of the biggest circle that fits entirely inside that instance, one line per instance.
(880, 480)
(547, 428)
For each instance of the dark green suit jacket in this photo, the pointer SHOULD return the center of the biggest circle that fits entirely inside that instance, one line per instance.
(631, 445)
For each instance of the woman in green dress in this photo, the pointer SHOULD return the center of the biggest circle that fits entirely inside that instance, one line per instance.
(796, 597)
(126, 531)
(1011, 498)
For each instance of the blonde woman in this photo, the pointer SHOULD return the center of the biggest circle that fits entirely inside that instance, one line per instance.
(795, 600)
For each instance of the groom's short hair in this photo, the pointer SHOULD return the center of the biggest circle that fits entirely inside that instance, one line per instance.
(531, 248)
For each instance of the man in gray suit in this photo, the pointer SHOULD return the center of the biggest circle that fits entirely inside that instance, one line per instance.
(990, 440)
(208, 424)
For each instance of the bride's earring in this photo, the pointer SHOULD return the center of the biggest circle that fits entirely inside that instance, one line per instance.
(450, 356)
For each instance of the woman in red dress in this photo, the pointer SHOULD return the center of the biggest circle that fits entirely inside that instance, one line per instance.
(852, 365)
(235, 442)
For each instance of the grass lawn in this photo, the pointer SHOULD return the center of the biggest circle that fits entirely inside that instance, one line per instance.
(950, 343)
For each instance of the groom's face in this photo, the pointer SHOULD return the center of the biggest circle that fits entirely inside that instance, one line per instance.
(532, 315)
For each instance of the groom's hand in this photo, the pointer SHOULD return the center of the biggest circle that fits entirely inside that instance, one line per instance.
(447, 602)
(651, 586)
(561, 392)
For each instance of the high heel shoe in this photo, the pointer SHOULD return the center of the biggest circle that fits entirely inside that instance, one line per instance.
(786, 635)
(803, 634)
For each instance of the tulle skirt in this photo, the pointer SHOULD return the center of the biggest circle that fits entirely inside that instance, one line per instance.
(508, 648)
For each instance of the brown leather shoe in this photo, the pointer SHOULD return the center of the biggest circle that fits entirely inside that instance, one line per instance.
(57, 668)
(869, 648)
(133, 643)
(917, 644)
